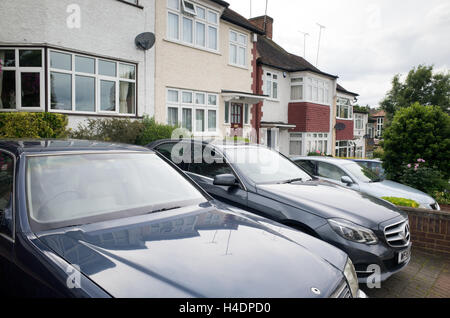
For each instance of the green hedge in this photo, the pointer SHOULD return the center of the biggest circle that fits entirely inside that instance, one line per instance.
(402, 202)
(33, 125)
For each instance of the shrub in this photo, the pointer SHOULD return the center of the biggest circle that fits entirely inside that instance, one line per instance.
(316, 154)
(424, 178)
(378, 153)
(33, 125)
(417, 132)
(153, 131)
(402, 202)
(442, 197)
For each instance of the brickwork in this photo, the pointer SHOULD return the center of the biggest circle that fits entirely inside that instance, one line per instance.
(348, 132)
(309, 117)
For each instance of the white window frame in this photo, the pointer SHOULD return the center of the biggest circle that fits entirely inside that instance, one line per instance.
(98, 78)
(359, 120)
(238, 46)
(349, 147)
(380, 124)
(187, 10)
(296, 84)
(25, 69)
(296, 137)
(206, 107)
(340, 102)
(313, 141)
(312, 84)
(181, 13)
(271, 80)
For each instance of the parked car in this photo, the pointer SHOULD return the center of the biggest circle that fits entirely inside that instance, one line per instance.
(374, 165)
(371, 231)
(354, 176)
(87, 219)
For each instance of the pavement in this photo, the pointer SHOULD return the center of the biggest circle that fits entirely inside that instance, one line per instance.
(426, 276)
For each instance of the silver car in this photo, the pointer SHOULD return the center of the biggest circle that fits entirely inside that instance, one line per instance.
(350, 174)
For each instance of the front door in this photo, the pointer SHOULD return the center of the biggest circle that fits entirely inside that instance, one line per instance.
(237, 118)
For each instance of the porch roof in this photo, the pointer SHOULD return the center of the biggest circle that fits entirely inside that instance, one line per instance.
(243, 97)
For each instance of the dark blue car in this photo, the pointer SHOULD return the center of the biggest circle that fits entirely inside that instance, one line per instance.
(86, 219)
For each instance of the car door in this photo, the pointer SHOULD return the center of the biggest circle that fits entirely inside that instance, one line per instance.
(7, 166)
(333, 173)
(208, 164)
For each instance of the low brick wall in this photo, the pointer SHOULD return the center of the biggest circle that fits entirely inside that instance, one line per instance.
(430, 230)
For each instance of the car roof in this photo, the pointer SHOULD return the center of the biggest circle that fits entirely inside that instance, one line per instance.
(18, 146)
(367, 160)
(219, 144)
(331, 160)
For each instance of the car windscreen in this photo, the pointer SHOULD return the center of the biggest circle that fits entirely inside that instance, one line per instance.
(362, 173)
(67, 190)
(265, 166)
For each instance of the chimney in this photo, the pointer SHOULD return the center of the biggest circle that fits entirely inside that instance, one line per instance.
(260, 21)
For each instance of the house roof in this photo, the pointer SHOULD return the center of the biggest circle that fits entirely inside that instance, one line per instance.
(380, 113)
(273, 55)
(343, 90)
(222, 3)
(237, 19)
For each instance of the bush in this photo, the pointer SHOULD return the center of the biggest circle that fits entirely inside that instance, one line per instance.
(417, 132)
(442, 197)
(317, 154)
(423, 178)
(378, 153)
(152, 131)
(33, 125)
(402, 202)
(136, 132)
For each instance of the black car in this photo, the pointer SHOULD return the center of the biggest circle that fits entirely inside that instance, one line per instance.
(87, 219)
(374, 233)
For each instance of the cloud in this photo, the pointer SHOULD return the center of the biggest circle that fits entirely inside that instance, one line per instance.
(365, 43)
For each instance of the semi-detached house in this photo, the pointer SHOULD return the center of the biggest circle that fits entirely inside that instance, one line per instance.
(300, 113)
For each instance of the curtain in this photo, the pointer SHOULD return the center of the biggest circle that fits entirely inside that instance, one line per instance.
(123, 98)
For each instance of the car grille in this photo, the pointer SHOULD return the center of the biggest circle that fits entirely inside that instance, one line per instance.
(343, 291)
(398, 234)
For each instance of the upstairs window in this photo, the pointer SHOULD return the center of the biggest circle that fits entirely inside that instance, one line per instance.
(317, 91)
(238, 49)
(272, 85)
(359, 122)
(192, 24)
(344, 108)
(297, 88)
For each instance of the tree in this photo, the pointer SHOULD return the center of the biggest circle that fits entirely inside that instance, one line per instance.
(417, 132)
(421, 86)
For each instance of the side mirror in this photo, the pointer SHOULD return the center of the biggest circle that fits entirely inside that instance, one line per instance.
(225, 180)
(347, 180)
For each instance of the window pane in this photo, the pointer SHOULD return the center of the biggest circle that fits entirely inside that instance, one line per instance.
(212, 38)
(201, 13)
(7, 58)
(275, 90)
(62, 61)
(173, 25)
(187, 119)
(127, 71)
(242, 39)
(127, 98)
(173, 4)
(107, 96)
(212, 100)
(296, 92)
(201, 34)
(84, 93)
(233, 54)
(212, 120)
(107, 68)
(84, 64)
(30, 89)
(233, 36)
(200, 120)
(241, 56)
(187, 30)
(187, 98)
(295, 148)
(246, 111)
(6, 193)
(212, 17)
(172, 116)
(200, 99)
(227, 113)
(269, 88)
(61, 91)
(30, 58)
(172, 96)
(7, 89)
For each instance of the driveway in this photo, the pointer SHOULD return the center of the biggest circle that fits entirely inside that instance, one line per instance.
(427, 276)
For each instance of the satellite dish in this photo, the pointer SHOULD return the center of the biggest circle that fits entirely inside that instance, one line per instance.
(145, 40)
(340, 126)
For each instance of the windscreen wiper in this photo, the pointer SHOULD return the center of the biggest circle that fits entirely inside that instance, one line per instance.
(293, 180)
(165, 209)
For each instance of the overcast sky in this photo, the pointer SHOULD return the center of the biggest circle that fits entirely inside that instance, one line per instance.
(366, 42)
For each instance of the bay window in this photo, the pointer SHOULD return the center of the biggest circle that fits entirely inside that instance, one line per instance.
(85, 84)
(192, 24)
(310, 89)
(194, 111)
(344, 108)
(317, 142)
(344, 149)
(21, 79)
(297, 88)
(359, 125)
(238, 49)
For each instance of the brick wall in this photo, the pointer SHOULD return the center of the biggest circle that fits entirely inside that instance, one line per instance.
(430, 230)
(257, 82)
(348, 132)
(309, 117)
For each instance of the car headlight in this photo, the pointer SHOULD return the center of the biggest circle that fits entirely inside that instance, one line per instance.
(353, 232)
(352, 279)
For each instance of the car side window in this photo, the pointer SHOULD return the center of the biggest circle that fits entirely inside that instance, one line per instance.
(308, 166)
(204, 167)
(166, 151)
(6, 193)
(326, 170)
